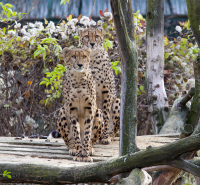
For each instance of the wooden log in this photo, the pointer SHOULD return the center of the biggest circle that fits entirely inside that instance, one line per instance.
(177, 118)
(102, 171)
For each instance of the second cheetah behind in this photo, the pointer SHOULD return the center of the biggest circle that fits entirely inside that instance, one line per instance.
(105, 85)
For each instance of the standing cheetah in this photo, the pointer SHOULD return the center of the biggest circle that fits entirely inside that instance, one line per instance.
(80, 121)
(104, 78)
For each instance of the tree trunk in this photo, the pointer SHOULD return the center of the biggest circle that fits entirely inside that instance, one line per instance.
(156, 95)
(193, 14)
(193, 7)
(103, 171)
(124, 25)
(195, 106)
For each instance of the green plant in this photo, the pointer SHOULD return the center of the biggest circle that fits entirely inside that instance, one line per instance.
(107, 44)
(54, 80)
(140, 90)
(6, 174)
(116, 68)
(44, 49)
(7, 12)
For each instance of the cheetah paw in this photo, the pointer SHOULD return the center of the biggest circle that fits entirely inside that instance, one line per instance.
(72, 152)
(78, 159)
(106, 141)
(87, 159)
(91, 151)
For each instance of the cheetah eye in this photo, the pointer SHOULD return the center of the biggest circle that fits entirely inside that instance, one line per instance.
(87, 36)
(97, 36)
(74, 57)
(84, 56)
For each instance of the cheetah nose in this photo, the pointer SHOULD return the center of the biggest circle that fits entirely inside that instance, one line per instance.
(80, 65)
(92, 44)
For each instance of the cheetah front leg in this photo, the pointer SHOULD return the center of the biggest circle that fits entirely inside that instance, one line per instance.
(82, 144)
(105, 139)
(87, 135)
(97, 128)
(64, 130)
(115, 117)
(62, 125)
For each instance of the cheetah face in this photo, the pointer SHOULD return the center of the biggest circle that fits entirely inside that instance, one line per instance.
(91, 38)
(76, 59)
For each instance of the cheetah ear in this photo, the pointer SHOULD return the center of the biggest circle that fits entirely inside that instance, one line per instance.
(80, 31)
(100, 29)
(65, 51)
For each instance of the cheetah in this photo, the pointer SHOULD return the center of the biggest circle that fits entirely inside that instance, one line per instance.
(80, 122)
(105, 85)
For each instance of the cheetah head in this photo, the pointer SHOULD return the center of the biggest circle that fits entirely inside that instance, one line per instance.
(77, 59)
(91, 38)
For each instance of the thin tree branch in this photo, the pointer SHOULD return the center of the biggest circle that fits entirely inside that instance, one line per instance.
(158, 168)
(92, 8)
(66, 11)
(186, 166)
(24, 15)
(188, 96)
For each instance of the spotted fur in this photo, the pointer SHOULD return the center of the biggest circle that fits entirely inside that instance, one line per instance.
(105, 85)
(80, 122)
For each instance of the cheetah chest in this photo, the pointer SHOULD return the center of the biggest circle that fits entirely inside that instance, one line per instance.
(81, 96)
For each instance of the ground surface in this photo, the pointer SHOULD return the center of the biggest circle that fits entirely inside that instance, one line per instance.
(55, 152)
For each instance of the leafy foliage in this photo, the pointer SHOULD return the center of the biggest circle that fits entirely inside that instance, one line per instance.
(7, 12)
(54, 79)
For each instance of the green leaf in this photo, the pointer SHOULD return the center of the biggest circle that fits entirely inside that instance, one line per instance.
(60, 66)
(64, 1)
(138, 92)
(43, 82)
(55, 95)
(6, 105)
(19, 16)
(166, 55)
(8, 5)
(141, 88)
(77, 37)
(8, 15)
(4, 30)
(37, 52)
(33, 41)
(46, 101)
(14, 13)
(107, 44)
(9, 176)
(105, 25)
(52, 79)
(46, 79)
(44, 54)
